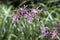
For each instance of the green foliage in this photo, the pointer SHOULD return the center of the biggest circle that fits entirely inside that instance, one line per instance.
(28, 31)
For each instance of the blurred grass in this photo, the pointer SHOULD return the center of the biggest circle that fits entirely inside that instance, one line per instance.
(28, 31)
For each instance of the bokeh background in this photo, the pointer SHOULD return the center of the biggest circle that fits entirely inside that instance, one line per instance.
(22, 30)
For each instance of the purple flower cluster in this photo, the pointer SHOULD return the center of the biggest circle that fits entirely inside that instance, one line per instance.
(28, 14)
(45, 31)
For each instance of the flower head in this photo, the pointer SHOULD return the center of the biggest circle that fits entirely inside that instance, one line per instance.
(28, 17)
(54, 33)
(23, 10)
(34, 12)
(15, 17)
(45, 31)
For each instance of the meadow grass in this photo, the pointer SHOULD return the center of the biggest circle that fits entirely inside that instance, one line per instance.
(23, 30)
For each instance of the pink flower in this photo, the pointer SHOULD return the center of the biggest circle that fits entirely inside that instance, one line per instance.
(45, 31)
(23, 10)
(15, 17)
(34, 12)
(54, 33)
(28, 17)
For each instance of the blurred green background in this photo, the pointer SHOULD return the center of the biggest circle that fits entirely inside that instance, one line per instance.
(23, 30)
